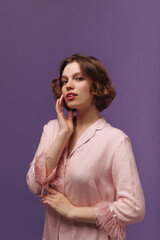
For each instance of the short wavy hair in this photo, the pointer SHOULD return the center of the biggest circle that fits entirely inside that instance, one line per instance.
(102, 89)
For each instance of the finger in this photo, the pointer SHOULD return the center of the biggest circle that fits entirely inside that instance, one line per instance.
(61, 103)
(70, 116)
(49, 202)
(53, 191)
(42, 195)
(61, 98)
(46, 198)
(59, 108)
(57, 105)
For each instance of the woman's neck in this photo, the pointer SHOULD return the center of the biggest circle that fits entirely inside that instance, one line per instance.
(83, 120)
(87, 117)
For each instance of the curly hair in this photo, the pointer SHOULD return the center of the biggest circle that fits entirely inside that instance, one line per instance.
(102, 88)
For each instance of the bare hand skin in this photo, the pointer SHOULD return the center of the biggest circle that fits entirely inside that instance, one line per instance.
(58, 202)
(66, 125)
(62, 138)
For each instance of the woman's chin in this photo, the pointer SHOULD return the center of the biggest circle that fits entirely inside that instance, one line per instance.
(72, 105)
(72, 108)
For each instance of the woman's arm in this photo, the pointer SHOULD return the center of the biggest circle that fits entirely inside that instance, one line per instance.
(36, 176)
(83, 214)
(55, 151)
(66, 129)
(43, 166)
(64, 207)
(129, 204)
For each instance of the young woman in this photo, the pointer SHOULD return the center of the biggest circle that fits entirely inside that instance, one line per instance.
(86, 166)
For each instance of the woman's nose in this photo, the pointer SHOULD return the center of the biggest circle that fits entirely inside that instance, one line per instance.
(70, 84)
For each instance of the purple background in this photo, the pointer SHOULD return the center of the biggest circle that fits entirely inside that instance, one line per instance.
(35, 36)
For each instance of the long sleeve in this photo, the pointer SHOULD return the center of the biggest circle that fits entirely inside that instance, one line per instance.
(36, 176)
(129, 204)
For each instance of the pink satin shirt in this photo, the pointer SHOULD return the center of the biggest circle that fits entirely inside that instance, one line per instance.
(100, 172)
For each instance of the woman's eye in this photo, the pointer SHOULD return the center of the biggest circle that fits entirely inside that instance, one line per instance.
(63, 82)
(80, 78)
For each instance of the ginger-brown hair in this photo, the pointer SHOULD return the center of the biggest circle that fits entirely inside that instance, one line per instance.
(102, 88)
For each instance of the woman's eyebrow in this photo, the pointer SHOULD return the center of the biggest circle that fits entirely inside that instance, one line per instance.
(73, 76)
(64, 77)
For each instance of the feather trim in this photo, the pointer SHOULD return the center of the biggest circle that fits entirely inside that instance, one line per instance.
(109, 221)
(40, 172)
(40, 169)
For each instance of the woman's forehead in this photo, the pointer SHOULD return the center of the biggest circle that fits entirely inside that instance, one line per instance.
(71, 69)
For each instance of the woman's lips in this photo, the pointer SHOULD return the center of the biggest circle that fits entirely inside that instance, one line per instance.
(71, 96)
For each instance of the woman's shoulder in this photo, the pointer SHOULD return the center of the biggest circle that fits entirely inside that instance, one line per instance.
(115, 137)
(52, 123)
(115, 132)
(51, 127)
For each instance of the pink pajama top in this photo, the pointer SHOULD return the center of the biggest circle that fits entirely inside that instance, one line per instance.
(100, 172)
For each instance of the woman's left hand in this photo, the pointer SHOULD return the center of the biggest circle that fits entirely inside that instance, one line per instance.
(58, 202)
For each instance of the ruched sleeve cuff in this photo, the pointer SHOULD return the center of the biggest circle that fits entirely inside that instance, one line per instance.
(40, 171)
(109, 221)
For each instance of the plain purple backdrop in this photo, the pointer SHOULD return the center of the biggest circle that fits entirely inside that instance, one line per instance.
(35, 37)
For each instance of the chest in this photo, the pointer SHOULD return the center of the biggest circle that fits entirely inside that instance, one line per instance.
(90, 160)
(73, 140)
(71, 144)
(88, 171)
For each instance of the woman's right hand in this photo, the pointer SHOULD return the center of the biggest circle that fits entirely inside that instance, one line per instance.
(66, 125)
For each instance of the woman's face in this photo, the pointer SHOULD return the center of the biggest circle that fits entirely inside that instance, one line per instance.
(76, 87)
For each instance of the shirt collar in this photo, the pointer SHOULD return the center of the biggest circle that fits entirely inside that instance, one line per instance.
(99, 124)
(89, 133)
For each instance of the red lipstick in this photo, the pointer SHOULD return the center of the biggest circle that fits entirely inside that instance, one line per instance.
(70, 96)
